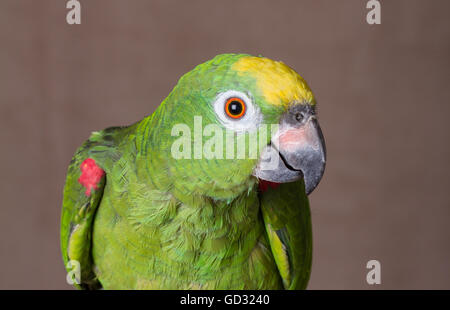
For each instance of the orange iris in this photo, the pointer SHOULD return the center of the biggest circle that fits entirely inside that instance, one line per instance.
(235, 107)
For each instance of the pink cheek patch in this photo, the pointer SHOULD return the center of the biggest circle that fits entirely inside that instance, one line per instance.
(295, 138)
(291, 139)
(91, 175)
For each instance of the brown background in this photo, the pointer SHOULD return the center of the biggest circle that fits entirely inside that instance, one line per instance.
(383, 94)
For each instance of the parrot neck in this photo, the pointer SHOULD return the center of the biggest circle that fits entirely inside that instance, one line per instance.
(220, 224)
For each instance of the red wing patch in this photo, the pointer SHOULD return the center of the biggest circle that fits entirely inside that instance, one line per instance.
(265, 185)
(91, 174)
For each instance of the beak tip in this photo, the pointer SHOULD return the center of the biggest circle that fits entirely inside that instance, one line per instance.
(313, 178)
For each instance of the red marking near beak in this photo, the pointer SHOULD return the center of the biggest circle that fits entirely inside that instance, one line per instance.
(264, 185)
(91, 175)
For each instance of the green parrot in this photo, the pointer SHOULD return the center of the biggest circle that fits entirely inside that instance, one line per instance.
(200, 194)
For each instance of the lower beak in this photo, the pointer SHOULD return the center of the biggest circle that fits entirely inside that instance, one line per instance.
(295, 151)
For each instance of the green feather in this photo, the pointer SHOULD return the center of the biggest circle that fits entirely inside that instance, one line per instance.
(156, 222)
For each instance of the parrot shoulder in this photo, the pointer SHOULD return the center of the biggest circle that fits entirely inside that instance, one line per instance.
(83, 192)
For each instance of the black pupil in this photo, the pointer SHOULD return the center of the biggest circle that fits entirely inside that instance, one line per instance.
(235, 108)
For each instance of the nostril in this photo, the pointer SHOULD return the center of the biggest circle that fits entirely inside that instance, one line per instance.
(299, 116)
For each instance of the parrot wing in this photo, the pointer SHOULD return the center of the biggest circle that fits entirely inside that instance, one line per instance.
(287, 219)
(82, 195)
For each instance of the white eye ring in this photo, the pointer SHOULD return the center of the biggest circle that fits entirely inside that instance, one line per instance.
(248, 122)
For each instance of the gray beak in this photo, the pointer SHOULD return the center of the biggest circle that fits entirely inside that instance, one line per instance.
(296, 150)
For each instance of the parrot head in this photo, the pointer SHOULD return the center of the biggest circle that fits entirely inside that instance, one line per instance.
(237, 120)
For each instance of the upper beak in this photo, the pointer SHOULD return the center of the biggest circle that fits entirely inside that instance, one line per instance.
(296, 150)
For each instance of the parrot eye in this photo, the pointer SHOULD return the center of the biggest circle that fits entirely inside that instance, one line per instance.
(237, 111)
(235, 107)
